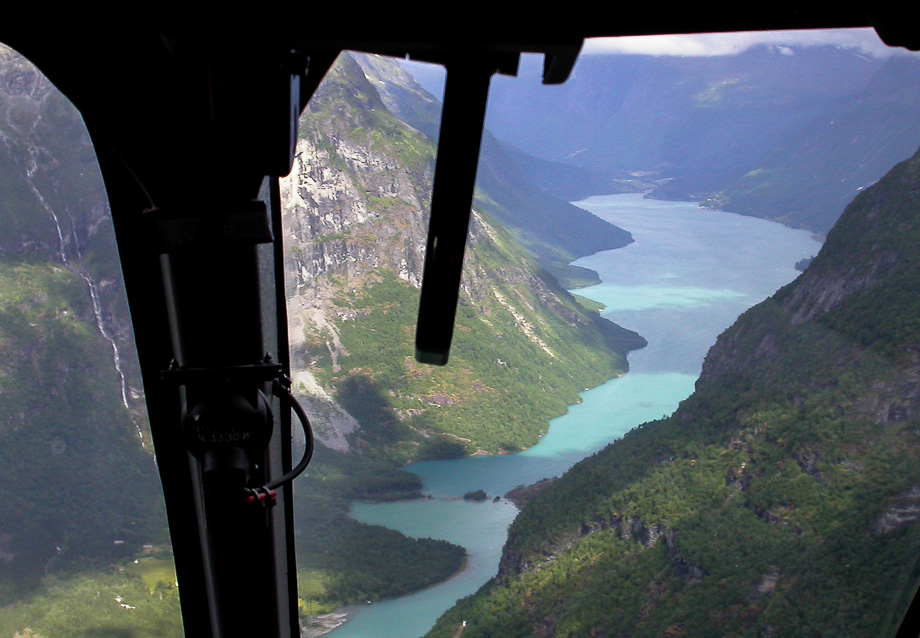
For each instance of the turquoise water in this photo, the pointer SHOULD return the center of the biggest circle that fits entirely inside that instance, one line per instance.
(685, 279)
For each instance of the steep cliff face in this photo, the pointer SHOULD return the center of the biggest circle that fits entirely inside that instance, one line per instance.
(360, 181)
(73, 468)
(356, 223)
(859, 291)
(784, 489)
(350, 207)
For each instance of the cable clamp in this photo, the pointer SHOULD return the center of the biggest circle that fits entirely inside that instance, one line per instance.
(261, 495)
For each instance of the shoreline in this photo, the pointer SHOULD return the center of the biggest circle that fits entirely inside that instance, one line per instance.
(323, 624)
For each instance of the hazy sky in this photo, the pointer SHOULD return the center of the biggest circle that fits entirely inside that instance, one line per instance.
(708, 44)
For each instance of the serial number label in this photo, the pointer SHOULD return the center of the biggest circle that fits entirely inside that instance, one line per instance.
(222, 437)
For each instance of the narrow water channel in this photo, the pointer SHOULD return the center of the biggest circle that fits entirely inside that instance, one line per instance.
(684, 280)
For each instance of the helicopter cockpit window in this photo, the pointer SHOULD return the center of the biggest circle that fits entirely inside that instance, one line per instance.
(682, 391)
(84, 548)
(660, 143)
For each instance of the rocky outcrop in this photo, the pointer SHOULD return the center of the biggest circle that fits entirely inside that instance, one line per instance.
(900, 511)
(894, 398)
(820, 293)
(350, 219)
(514, 564)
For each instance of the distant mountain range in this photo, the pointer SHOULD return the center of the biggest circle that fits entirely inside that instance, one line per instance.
(510, 185)
(789, 134)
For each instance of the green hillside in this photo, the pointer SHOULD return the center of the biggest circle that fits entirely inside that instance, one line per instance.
(72, 472)
(551, 230)
(782, 498)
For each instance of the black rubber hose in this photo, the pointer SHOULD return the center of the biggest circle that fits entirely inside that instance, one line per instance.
(308, 438)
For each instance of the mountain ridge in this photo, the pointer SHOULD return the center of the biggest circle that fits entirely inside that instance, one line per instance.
(350, 200)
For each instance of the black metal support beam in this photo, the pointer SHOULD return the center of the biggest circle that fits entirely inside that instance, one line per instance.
(465, 97)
